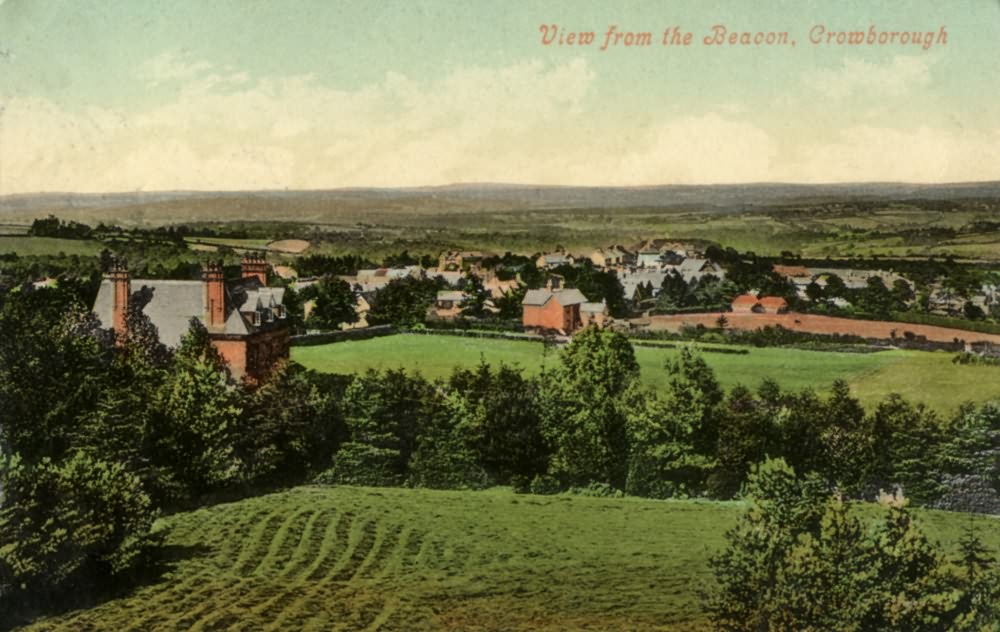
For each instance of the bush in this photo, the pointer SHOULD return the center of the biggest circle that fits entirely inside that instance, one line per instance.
(545, 485)
(363, 464)
(69, 526)
(596, 490)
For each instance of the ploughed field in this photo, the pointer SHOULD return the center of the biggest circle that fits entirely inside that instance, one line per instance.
(346, 558)
(920, 376)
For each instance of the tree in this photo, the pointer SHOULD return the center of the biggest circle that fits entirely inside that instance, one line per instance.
(584, 417)
(800, 559)
(288, 428)
(905, 445)
(69, 526)
(404, 301)
(53, 369)
(195, 415)
(846, 438)
(694, 388)
(383, 413)
(500, 421)
(334, 304)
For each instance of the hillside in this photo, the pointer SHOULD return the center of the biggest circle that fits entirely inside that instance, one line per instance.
(410, 560)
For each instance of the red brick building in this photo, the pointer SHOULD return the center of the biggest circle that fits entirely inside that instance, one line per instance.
(547, 310)
(245, 318)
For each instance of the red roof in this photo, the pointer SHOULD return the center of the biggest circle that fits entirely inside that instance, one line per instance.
(745, 299)
(773, 301)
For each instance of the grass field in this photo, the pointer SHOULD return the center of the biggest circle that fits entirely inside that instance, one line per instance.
(37, 246)
(930, 377)
(416, 560)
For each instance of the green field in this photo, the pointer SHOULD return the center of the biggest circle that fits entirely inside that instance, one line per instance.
(39, 246)
(930, 377)
(410, 560)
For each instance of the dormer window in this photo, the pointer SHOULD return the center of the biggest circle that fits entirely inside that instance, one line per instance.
(279, 311)
(255, 318)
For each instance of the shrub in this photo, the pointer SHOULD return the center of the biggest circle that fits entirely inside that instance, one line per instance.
(545, 485)
(69, 526)
(363, 464)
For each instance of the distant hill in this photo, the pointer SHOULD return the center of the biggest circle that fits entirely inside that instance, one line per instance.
(354, 204)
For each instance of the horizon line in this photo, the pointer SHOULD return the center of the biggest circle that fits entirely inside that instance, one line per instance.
(484, 184)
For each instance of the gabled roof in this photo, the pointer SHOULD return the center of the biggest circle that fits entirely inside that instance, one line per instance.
(746, 299)
(773, 301)
(593, 308)
(694, 265)
(565, 297)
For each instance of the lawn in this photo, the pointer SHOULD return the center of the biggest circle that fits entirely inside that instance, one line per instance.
(930, 377)
(349, 558)
(40, 246)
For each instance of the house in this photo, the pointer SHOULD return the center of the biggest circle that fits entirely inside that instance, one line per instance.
(745, 304)
(498, 288)
(245, 318)
(641, 284)
(697, 269)
(593, 314)
(615, 256)
(552, 310)
(554, 260)
(451, 277)
(448, 303)
(650, 258)
(463, 260)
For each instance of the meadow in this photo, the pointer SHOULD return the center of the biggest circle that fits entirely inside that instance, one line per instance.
(42, 246)
(347, 558)
(921, 376)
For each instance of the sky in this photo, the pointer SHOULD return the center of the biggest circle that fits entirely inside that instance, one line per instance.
(141, 95)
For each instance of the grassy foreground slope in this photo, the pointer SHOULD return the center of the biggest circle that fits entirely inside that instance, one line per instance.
(929, 377)
(410, 560)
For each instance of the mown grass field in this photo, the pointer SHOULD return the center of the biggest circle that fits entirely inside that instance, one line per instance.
(928, 377)
(346, 558)
(40, 246)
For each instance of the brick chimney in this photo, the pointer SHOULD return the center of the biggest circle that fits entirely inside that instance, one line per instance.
(254, 266)
(215, 295)
(122, 289)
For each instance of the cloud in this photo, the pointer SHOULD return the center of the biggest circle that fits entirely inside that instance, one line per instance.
(894, 78)
(170, 66)
(923, 154)
(529, 122)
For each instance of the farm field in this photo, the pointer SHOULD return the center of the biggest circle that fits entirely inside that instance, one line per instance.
(40, 246)
(930, 377)
(346, 558)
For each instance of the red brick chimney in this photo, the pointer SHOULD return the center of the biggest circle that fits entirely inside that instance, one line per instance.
(215, 295)
(254, 266)
(122, 289)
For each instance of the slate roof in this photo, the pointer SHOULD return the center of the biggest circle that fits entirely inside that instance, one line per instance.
(593, 308)
(565, 297)
(175, 303)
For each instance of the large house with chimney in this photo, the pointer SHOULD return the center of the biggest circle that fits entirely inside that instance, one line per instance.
(245, 319)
